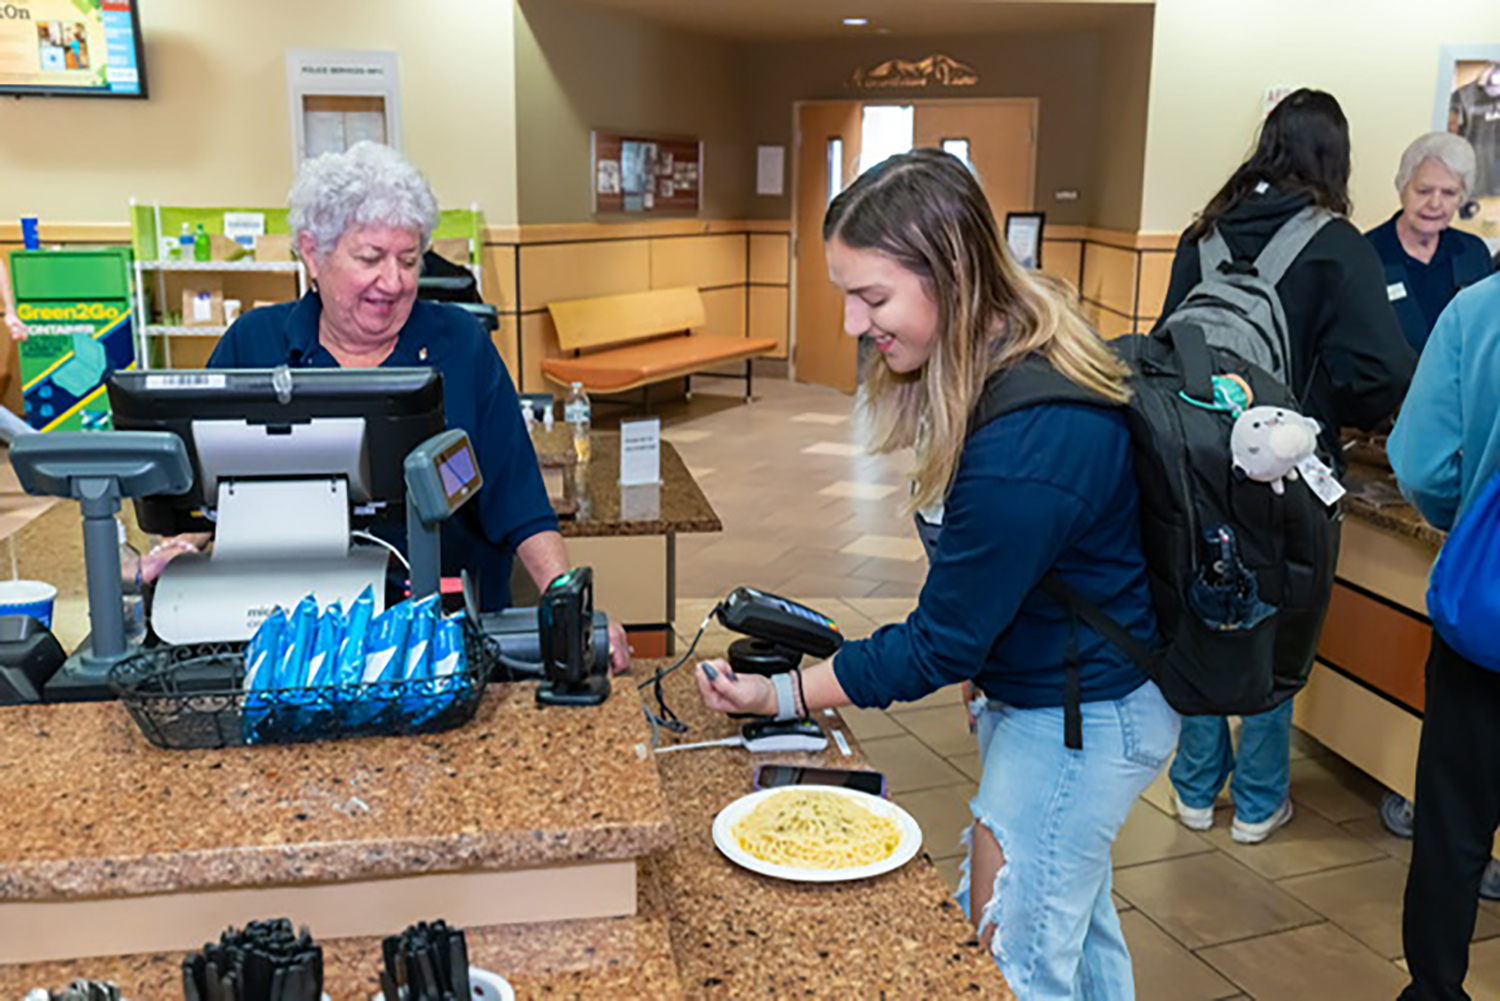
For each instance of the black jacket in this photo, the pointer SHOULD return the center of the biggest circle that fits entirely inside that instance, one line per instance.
(1350, 361)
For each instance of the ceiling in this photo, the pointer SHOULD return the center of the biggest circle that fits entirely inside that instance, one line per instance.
(821, 19)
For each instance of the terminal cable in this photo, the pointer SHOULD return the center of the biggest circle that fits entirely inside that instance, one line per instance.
(665, 718)
(371, 537)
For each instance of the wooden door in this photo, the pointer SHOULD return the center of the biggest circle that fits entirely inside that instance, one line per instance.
(1001, 134)
(823, 354)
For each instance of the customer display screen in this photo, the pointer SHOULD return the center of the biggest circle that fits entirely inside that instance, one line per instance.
(456, 470)
(82, 47)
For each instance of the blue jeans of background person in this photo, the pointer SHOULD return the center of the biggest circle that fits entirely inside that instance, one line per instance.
(1055, 813)
(1262, 768)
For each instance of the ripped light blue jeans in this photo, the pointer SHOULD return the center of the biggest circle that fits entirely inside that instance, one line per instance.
(1055, 813)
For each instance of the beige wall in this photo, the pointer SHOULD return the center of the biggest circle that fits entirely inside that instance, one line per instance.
(581, 68)
(1062, 69)
(215, 128)
(1213, 61)
(1119, 171)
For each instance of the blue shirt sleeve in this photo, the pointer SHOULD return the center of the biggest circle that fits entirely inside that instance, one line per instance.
(513, 504)
(1426, 447)
(1006, 523)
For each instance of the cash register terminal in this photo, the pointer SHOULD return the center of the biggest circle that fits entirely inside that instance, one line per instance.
(288, 469)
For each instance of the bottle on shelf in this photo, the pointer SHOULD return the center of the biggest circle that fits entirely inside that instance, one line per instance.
(549, 419)
(133, 595)
(185, 247)
(579, 413)
(529, 417)
(202, 245)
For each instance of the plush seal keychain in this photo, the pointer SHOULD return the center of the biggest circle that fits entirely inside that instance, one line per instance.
(1269, 443)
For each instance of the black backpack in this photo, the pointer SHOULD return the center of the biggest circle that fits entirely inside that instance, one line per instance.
(1240, 613)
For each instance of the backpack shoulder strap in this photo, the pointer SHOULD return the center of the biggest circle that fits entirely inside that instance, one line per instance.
(1030, 382)
(1290, 240)
(1213, 255)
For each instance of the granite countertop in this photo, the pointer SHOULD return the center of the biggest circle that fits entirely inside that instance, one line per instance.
(95, 811)
(609, 957)
(737, 933)
(1374, 497)
(605, 508)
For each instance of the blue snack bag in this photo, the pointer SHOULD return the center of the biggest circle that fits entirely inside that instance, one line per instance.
(291, 670)
(448, 662)
(330, 636)
(385, 649)
(448, 650)
(350, 667)
(265, 650)
(424, 618)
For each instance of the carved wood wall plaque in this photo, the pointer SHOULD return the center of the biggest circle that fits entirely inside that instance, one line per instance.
(935, 71)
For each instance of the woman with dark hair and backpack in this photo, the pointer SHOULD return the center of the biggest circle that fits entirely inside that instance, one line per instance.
(1348, 364)
(1072, 731)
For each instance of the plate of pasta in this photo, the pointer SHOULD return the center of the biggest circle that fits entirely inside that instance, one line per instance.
(816, 834)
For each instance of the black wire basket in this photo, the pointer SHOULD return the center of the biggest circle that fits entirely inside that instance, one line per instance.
(192, 697)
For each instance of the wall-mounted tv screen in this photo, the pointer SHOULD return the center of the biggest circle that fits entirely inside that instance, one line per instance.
(85, 48)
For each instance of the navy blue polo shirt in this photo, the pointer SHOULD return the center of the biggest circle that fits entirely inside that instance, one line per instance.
(1419, 292)
(478, 396)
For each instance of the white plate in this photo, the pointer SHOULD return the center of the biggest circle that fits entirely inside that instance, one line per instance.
(486, 986)
(911, 838)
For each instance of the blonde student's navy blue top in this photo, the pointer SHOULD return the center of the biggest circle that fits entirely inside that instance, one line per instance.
(478, 396)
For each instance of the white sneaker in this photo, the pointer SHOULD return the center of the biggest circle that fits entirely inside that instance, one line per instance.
(1194, 818)
(1250, 834)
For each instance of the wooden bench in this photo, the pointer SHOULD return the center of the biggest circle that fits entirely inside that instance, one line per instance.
(618, 343)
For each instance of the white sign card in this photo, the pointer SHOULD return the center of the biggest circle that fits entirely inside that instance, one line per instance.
(640, 451)
(770, 170)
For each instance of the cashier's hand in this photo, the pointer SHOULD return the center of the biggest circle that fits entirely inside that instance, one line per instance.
(728, 692)
(18, 330)
(156, 559)
(619, 649)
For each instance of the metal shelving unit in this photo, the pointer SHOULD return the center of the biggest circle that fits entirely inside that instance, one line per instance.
(159, 269)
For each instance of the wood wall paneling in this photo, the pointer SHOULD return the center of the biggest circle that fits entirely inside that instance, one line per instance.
(500, 278)
(1064, 259)
(770, 259)
(552, 272)
(1155, 275)
(1109, 277)
(769, 316)
(1108, 323)
(726, 312)
(701, 261)
(507, 342)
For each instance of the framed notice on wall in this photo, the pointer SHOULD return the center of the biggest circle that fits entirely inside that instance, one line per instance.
(642, 175)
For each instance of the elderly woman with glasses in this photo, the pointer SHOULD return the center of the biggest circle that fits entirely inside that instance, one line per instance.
(1426, 260)
(362, 221)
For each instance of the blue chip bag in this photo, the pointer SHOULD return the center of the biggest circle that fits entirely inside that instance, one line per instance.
(350, 668)
(448, 662)
(265, 650)
(448, 655)
(291, 670)
(424, 618)
(385, 649)
(322, 664)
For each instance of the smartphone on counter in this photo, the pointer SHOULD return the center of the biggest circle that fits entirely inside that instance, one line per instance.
(773, 776)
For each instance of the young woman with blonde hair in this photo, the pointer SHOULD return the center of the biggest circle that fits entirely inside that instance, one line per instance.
(1002, 503)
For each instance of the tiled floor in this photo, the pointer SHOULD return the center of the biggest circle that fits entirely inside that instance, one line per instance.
(1312, 913)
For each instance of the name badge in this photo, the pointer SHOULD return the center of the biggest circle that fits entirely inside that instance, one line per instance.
(1396, 291)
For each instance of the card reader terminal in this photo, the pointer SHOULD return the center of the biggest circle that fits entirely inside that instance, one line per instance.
(780, 621)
